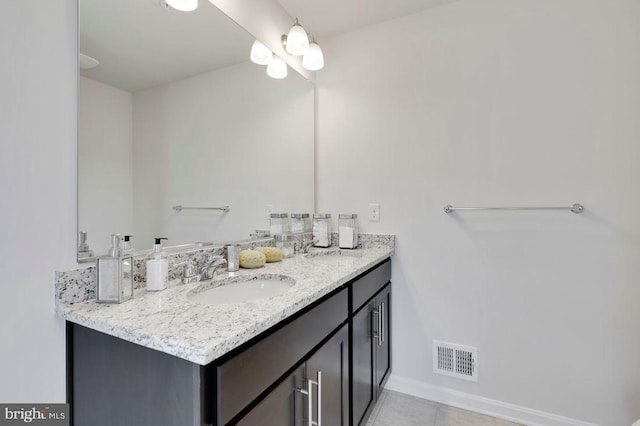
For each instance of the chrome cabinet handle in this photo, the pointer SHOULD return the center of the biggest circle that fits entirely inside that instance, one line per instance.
(309, 393)
(376, 333)
(310, 401)
(378, 312)
(382, 323)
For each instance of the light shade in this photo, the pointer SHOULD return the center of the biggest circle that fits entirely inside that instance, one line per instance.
(260, 54)
(277, 68)
(87, 62)
(313, 60)
(183, 5)
(297, 40)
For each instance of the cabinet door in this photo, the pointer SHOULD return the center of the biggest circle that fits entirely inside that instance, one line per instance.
(327, 373)
(383, 345)
(283, 406)
(363, 388)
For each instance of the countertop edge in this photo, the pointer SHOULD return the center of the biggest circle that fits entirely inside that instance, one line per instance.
(205, 353)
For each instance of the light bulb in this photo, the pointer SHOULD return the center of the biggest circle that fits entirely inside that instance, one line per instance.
(297, 40)
(313, 60)
(260, 54)
(183, 5)
(277, 68)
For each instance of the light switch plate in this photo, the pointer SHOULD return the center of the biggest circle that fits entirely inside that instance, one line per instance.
(374, 212)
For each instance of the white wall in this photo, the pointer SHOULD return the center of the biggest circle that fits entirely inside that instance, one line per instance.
(233, 137)
(497, 102)
(105, 163)
(38, 87)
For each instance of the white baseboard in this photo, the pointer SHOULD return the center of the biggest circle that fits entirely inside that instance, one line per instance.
(478, 404)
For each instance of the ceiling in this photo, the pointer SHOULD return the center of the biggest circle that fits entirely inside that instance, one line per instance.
(141, 44)
(324, 18)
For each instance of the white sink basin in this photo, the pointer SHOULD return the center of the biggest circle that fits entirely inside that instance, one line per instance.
(234, 290)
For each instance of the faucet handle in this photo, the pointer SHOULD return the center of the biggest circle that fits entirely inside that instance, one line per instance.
(217, 260)
(189, 267)
(190, 272)
(306, 244)
(209, 269)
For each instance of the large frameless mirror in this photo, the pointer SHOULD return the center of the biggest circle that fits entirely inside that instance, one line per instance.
(175, 114)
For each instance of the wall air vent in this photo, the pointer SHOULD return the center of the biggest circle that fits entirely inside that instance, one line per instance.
(455, 360)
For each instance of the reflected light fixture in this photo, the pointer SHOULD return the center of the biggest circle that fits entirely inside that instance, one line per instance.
(87, 62)
(296, 42)
(260, 54)
(313, 60)
(183, 5)
(277, 68)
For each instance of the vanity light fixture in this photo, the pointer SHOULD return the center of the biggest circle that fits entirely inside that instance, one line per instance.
(260, 54)
(296, 42)
(313, 60)
(277, 68)
(183, 5)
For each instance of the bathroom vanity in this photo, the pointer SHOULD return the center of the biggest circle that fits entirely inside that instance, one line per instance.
(319, 352)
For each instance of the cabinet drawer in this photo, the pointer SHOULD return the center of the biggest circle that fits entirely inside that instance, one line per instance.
(244, 377)
(369, 284)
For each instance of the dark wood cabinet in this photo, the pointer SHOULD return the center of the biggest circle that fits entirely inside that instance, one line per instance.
(328, 381)
(318, 390)
(326, 364)
(370, 341)
(282, 406)
(383, 344)
(362, 390)
(243, 377)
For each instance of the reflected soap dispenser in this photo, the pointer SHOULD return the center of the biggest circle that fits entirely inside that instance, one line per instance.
(114, 275)
(157, 268)
(127, 245)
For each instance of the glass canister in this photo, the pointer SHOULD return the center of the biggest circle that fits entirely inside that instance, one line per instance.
(233, 256)
(348, 231)
(286, 243)
(322, 229)
(279, 223)
(300, 222)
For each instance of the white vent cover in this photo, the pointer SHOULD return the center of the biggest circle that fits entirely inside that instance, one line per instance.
(455, 360)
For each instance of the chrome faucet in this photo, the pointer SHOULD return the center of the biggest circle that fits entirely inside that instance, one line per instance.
(306, 244)
(209, 269)
(191, 274)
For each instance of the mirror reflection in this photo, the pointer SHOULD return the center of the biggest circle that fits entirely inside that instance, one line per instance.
(175, 114)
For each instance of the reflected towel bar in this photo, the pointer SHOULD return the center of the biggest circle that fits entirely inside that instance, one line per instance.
(180, 208)
(576, 208)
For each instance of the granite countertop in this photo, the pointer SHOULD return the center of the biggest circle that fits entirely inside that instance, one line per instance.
(169, 322)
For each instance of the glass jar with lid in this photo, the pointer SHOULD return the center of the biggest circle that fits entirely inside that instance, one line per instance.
(286, 243)
(348, 231)
(279, 223)
(300, 222)
(322, 229)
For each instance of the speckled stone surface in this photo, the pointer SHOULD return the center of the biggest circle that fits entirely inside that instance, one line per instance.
(75, 285)
(170, 322)
(79, 284)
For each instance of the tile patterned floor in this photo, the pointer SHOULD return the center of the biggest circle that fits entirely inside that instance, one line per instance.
(397, 409)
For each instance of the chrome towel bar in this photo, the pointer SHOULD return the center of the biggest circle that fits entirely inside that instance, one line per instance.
(223, 208)
(576, 208)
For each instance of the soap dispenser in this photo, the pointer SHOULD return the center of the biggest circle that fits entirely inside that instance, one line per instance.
(114, 274)
(127, 245)
(157, 268)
